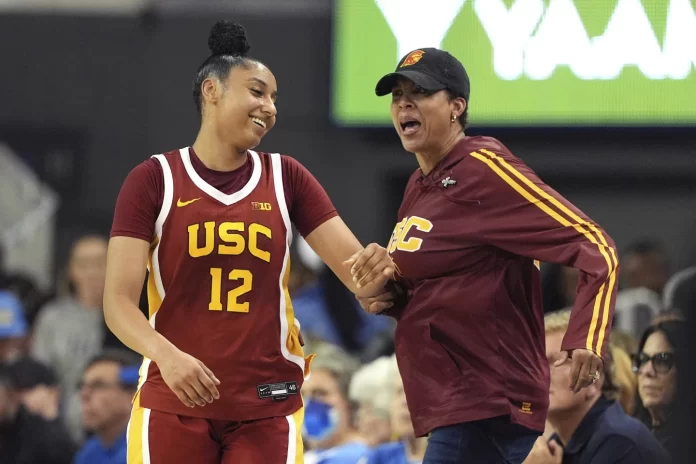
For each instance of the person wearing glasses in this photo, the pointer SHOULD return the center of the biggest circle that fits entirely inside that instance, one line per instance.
(589, 427)
(107, 387)
(658, 360)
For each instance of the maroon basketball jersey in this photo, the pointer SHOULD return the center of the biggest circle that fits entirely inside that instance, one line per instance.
(218, 290)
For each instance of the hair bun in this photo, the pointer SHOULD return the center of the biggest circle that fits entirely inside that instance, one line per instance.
(228, 38)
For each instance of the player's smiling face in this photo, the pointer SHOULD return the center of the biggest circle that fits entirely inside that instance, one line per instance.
(421, 118)
(246, 110)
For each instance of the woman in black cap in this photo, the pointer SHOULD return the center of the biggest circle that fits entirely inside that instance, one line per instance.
(474, 223)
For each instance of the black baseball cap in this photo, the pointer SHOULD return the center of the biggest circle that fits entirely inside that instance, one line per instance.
(430, 68)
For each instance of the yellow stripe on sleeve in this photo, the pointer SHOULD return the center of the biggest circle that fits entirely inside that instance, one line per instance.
(579, 225)
(607, 303)
(612, 262)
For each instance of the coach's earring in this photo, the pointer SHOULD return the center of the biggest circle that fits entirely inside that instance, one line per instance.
(454, 118)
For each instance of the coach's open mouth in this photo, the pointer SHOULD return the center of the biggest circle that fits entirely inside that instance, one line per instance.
(410, 126)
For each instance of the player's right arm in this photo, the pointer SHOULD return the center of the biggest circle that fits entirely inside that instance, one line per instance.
(125, 272)
(127, 257)
(316, 219)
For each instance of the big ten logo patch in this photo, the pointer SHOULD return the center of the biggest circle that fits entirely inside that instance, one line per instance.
(400, 239)
(258, 206)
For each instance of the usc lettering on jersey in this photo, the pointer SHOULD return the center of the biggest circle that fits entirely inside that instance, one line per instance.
(217, 289)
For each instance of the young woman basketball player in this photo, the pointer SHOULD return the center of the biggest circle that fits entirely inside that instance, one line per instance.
(223, 357)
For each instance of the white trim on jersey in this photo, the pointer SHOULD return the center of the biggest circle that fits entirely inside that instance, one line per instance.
(280, 198)
(146, 436)
(292, 441)
(223, 198)
(167, 200)
(154, 269)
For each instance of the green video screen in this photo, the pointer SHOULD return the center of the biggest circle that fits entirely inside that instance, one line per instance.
(530, 62)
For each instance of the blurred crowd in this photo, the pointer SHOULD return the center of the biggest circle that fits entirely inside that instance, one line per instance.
(66, 382)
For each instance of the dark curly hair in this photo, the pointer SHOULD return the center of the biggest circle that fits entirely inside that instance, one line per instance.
(675, 333)
(229, 47)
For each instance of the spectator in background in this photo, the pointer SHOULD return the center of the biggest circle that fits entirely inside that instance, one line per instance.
(329, 432)
(309, 301)
(665, 316)
(680, 291)
(645, 264)
(407, 449)
(13, 327)
(682, 302)
(371, 391)
(645, 271)
(31, 297)
(37, 387)
(26, 438)
(71, 329)
(328, 311)
(625, 341)
(107, 388)
(635, 310)
(624, 378)
(589, 426)
(659, 359)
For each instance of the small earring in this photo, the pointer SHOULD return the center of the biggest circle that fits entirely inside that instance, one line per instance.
(454, 117)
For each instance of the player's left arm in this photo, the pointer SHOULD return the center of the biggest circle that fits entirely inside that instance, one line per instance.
(318, 222)
(521, 214)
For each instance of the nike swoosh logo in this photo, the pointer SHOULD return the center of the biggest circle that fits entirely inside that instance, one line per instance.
(180, 203)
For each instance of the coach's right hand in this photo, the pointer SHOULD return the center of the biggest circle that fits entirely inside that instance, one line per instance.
(377, 304)
(188, 378)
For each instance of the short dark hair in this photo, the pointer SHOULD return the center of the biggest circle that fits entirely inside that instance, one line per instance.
(5, 377)
(123, 358)
(644, 247)
(676, 335)
(127, 361)
(464, 118)
(27, 373)
(680, 292)
(674, 331)
(228, 46)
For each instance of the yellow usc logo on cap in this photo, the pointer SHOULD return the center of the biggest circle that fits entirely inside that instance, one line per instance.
(413, 58)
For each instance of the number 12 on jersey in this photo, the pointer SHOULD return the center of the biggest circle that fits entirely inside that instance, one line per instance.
(233, 305)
